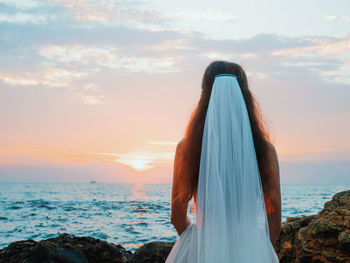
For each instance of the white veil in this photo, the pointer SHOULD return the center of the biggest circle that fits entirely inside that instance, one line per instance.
(231, 223)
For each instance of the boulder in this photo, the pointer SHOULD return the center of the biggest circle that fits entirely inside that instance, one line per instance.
(320, 238)
(155, 252)
(64, 249)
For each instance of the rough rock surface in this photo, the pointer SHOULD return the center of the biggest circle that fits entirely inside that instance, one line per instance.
(64, 249)
(320, 238)
(155, 252)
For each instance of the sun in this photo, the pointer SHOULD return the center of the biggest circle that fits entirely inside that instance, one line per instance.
(139, 164)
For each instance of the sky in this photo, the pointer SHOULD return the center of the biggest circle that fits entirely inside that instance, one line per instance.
(103, 90)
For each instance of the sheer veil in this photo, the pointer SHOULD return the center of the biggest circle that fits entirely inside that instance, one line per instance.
(231, 223)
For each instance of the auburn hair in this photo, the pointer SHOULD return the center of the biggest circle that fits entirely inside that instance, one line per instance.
(190, 150)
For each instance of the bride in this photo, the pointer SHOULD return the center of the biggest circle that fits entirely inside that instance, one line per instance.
(227, 165)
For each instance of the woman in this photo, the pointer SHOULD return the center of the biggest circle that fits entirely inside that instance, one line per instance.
(228, 166)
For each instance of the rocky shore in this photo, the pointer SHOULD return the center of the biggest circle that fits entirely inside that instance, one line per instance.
(324, 237)
(320, 238)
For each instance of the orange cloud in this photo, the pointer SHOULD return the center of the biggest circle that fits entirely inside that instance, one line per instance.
(137, 161)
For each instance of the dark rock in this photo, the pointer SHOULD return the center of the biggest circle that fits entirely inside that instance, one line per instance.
(320, 238)
(285, 244)
(64, 249)
(153, 252)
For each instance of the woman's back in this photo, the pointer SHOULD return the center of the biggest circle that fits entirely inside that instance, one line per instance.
(230, 210)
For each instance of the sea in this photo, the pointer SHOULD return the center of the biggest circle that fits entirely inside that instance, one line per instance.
(125, 214)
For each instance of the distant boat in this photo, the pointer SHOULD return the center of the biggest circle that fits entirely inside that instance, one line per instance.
(93, 182)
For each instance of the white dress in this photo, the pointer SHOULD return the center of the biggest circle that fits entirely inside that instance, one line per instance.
(231, 223)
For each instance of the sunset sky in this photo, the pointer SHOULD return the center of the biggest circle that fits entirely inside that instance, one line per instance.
(103, 90)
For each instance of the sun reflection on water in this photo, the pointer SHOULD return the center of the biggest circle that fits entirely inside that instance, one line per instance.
(138, 193)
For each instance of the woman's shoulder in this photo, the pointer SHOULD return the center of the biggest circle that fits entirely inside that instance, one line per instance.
(271, 150)
(179, 146)
(180, 143)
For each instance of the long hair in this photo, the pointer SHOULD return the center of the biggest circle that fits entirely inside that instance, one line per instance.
(190, 153)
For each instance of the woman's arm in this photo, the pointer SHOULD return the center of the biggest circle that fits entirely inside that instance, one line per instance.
(272, 195)
(180, 196)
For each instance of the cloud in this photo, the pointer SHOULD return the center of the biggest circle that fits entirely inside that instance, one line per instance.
(108, 57)
(225, 55)
(77, 53)
(137, 161)
(112, 13)
(162, 143)
(92, 100)
(142, 14)
(266, 55)
(19, 81)
(172, 44)
(340, 74)
(318, 47)
(23, 4)
(90, 87)
(333, 18)
(59, 74)
(141, 161)
(25, 18)
(319, 55)
(51, 77)
(200, 14)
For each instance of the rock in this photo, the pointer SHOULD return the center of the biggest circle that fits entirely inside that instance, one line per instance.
(64, 249)
(320, 238)
(286, 242)
(153, 252)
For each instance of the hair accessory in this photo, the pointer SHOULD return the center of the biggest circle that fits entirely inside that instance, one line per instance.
(225, 74)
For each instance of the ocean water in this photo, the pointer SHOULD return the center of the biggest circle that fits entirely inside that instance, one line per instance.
(126, 214)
